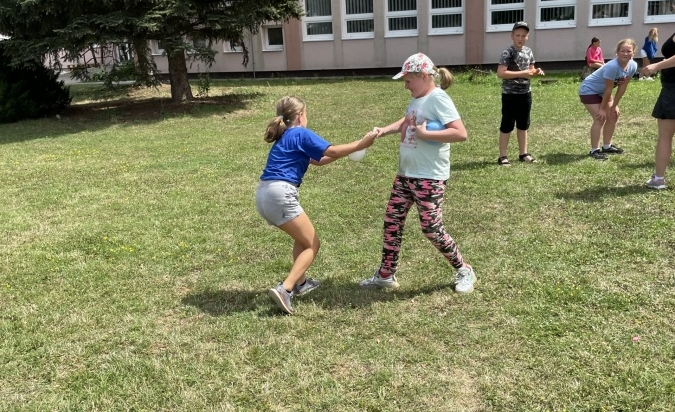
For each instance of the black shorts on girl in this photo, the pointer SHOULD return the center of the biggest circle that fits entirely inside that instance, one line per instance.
(665, 104)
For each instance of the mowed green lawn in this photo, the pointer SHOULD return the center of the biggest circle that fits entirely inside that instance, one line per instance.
(134, 268)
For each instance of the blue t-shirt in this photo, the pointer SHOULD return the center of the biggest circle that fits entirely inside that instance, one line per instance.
(595, 82)
(289, 156)
(650, 47)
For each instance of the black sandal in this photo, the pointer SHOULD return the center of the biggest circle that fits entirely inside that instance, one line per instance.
(524, 158)
(503, 161)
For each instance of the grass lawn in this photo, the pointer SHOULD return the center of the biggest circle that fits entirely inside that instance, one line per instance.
(134, 267)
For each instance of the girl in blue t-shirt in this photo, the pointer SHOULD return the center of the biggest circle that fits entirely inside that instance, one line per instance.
(595, 93)
(294, 147)
(424, 167)
(649, 49)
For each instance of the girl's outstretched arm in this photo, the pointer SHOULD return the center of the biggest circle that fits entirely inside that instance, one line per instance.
(392, 128)
(324, 161)
(337, 151)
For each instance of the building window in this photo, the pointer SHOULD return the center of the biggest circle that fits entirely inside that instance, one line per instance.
(199, 43)
(502, 14)
(555, 14)
(660, 11)
(358, 21)
(446, 17)
(318, 20)
(610, 12)
(157, 47)
(236, 46)
(274, 37)
(401, 18)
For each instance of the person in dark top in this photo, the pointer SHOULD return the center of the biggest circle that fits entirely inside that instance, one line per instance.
(664, 111)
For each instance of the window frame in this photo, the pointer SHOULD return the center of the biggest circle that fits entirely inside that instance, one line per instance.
(660, 18)
(156, 50)
(609, 21)
(557, 24)
(490, 8)
(356, 17)
(266, 38)
(238, 48)
(316, 19)
(398, 14)
(444, 12)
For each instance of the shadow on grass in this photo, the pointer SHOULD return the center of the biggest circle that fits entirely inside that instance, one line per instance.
(329, 296)
(562, 158)
(599, 193)
(125, 111)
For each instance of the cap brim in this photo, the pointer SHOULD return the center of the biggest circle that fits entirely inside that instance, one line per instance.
(398, 76)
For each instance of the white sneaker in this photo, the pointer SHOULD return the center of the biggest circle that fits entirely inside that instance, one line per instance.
(655, 183)
(377, 282)
(464, 279)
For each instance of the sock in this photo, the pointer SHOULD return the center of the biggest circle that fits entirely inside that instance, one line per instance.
(606, 146)
(384, 275)
(595, 150)
(658, 177)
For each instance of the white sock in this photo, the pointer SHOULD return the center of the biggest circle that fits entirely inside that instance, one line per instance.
(595, 149)
(606, 146)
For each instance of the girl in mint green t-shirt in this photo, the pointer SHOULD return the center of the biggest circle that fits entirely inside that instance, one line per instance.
(424, 167)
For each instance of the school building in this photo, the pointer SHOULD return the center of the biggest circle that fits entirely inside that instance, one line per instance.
(361, 35)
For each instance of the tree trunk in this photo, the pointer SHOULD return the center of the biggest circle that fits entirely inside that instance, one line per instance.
(144, 67)
(178, 76)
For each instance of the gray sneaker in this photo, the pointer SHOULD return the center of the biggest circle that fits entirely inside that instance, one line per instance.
(281, 298)
(309, 285)
(655, 183)
(377, 282)
(464, 280)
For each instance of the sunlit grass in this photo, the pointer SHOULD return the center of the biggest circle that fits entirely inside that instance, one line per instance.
(134, 267)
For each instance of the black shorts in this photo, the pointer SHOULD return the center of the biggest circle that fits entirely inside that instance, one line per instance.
(515, 110)
(665, 104)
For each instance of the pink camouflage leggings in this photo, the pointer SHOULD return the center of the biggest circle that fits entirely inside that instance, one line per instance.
(427, 194)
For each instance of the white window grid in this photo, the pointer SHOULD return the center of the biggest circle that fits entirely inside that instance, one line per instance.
(409, 15)
(452, 13)
(660, 11)
(514, 10)
(360, 25)
(610, 12)
(273, 37)
(556, 14)
(322, 18)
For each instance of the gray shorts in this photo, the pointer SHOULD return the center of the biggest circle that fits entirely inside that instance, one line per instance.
(277, 201)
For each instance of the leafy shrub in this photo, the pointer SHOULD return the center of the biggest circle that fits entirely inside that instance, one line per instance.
(30, 91)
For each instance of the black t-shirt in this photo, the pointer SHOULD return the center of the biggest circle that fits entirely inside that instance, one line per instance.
(668, 50)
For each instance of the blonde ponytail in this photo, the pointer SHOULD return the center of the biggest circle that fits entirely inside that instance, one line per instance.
(288, 110)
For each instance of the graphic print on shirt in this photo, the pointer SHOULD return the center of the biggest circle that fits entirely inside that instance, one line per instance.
(622, 78)
(408, 129)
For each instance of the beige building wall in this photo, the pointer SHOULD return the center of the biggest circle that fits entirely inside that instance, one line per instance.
(477, 44)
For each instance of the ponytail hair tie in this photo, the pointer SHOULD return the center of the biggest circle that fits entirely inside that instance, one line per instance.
(281, 117)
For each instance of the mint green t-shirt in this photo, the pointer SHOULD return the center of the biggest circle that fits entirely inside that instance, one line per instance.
(420, 158)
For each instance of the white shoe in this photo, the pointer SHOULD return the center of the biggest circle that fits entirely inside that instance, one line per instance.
(377, 282)
(464, 279)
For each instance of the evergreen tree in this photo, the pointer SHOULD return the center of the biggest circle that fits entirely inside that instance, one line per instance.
(41, 28)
